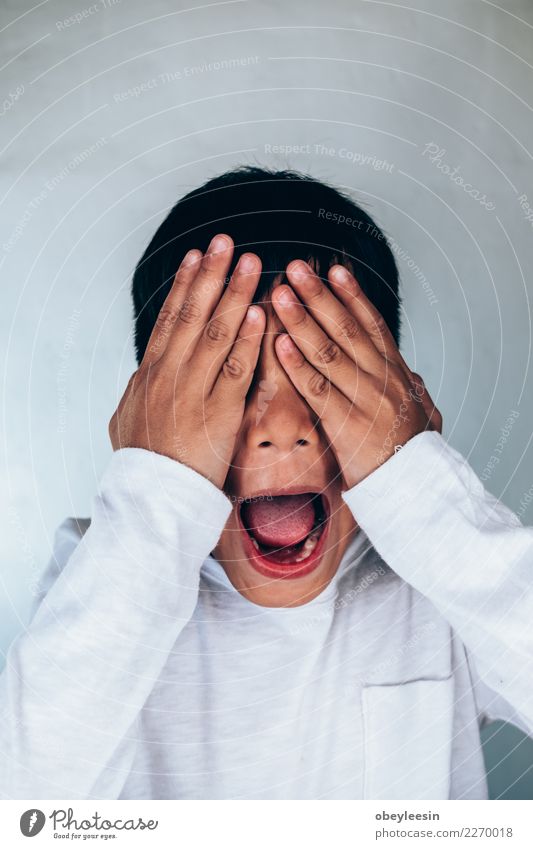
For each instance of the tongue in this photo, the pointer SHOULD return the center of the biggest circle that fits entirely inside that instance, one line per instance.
(281, 520)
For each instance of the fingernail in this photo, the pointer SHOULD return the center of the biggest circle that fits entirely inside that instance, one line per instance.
(191, 257)
(253, 315)
(285, 342)
(218, 244)
(299, 269)
(247, 262)
(285, 298)
(341, 274)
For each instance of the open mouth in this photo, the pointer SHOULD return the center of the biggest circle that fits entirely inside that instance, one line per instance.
(284, 534)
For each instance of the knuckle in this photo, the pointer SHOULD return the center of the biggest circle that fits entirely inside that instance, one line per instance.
(234, 368)
(328, 353)
(318, 385)
(349, 327)
(189, 312)
(166, 319)
(216, 331)
(379, 326)
(418, 390)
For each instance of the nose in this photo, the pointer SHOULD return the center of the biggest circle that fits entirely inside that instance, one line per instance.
(277, 419)
(280, 440)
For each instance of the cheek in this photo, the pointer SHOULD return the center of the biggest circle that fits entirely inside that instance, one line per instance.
(343, 527)
(235, 477)
(331, 465)
(346, 518)
(228, 544)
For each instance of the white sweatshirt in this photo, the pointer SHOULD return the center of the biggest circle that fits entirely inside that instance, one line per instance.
(145, 674)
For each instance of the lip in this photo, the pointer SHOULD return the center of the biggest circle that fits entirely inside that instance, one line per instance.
(286, 571)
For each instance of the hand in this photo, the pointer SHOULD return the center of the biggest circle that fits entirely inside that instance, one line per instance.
(343, 360)
(186, 400)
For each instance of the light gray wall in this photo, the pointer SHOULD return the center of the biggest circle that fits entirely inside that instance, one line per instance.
(109, 118)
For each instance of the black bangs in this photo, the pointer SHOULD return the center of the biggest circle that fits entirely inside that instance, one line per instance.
(280, 216)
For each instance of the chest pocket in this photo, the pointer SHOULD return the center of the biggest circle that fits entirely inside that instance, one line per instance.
(408, 730)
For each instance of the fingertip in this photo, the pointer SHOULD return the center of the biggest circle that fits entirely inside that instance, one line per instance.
(285, 345)
(253, 326)
(249, 263)
(283, 295)
(298, 269)
(340, 275)
(219, 244)
(191, 257)
(255, 315)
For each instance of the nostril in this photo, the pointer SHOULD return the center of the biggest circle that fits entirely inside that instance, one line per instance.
(265, 444)
(302, 442)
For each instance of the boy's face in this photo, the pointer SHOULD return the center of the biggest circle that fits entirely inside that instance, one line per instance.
(279, 550)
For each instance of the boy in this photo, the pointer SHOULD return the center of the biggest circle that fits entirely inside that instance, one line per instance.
(291, 587)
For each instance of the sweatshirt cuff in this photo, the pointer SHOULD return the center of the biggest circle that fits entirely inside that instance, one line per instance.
(408, 506)
(428, 515)
(165, 493)
(417, 474)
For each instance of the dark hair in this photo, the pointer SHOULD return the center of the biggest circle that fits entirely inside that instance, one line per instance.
(280, 216)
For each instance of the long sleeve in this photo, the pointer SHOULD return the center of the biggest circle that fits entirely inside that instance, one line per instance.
(76, 680)
(430, 518)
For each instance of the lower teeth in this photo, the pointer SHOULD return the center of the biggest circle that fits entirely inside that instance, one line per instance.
(308, 547)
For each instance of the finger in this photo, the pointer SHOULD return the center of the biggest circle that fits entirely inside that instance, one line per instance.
(420, 392)
(221, 330)
(330, 312)
(350, 293)
(318, 348)
(330, 405)
(202, 295)
(348, 290)
(172, 304)
(235, 376)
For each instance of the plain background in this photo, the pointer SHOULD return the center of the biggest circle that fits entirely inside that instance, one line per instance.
(110, 116)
